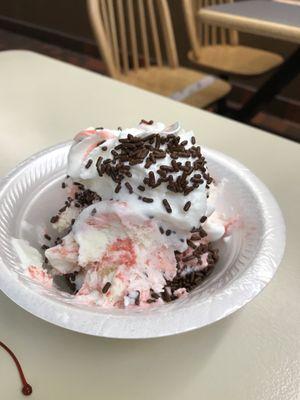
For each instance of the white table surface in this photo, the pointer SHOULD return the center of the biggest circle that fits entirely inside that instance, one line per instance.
(276, 19)
(253, 354)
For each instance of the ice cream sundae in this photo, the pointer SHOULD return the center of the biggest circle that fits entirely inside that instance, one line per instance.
(139, 225)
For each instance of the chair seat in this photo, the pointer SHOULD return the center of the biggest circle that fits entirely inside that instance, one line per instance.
(240, 60)
(167, 81)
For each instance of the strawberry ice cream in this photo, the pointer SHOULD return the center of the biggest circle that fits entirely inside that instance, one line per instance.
(120, 253)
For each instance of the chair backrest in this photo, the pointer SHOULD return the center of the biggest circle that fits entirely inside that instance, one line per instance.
(202, 34)
(125, 30)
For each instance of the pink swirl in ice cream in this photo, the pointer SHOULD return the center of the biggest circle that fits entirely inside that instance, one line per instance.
(120, 255)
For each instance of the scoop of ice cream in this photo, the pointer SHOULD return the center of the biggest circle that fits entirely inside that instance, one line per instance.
(138, 220)
(158, 170)
(121, 252)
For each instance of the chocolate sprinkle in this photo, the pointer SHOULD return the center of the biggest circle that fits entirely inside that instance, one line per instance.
(147, 200)
(137, 299)
(143, 121)
(88, 164)
(167, 206)
(58, 241)
(46, 236)
(54, 219)
(187, 206)
(129, 187)
(106, 287)
(166, 296)
(118, 188)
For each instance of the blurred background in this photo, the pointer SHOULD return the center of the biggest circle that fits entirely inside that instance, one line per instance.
(62, 29)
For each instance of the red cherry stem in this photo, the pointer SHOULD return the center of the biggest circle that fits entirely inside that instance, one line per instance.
(27, 389)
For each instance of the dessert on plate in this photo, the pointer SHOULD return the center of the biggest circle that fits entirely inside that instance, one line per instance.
(138, 226)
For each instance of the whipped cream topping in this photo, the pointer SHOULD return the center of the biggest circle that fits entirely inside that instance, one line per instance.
(187, 207)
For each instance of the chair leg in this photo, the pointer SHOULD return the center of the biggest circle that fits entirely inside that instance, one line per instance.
(280, 78)
(221, 105)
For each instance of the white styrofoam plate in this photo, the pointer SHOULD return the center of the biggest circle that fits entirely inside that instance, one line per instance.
(31, 193)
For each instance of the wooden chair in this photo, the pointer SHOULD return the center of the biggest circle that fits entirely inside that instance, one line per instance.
(128, 36)
(218, 48)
